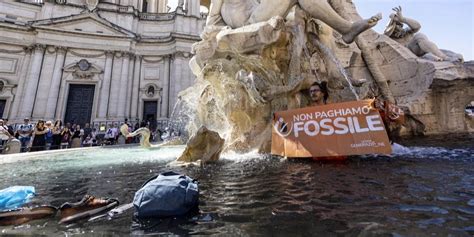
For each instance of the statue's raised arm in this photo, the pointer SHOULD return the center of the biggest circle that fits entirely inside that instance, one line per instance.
(397, 20)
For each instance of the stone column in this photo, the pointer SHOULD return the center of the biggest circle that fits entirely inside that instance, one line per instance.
(176, 80)
(32, 81)
(193, 8)
(105, 86)
(136, 87)
(129, 85)
(139, 5)
(163, 6)
(21, 84)
(53, 94)
(115, 85)
(123, 87)
(152, 6)
(166, 88)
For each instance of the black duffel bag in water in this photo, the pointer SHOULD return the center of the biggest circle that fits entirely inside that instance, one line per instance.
(168, 194)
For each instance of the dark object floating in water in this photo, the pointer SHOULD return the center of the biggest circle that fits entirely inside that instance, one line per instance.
(24, 215)
(88, 207)
(168, 194)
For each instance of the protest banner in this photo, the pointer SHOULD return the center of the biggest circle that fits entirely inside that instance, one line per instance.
(341, 129)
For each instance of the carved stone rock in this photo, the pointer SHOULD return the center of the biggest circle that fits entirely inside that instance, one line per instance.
(205, 145)
(245, 74)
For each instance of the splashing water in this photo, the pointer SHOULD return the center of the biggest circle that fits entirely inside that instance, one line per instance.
(179, 117)
(338, 64)
(430, 152)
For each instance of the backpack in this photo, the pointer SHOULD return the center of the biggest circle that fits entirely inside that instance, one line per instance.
(168, 194)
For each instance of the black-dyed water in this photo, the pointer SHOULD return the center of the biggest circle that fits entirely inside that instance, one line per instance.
(420, 191)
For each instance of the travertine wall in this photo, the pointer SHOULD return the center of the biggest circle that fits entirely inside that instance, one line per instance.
(127, 51)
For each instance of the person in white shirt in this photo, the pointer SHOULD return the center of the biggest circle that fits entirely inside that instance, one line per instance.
(25, 131)
(110, 134)
(4, 134)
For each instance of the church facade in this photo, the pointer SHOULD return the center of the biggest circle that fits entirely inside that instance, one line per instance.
(90, 61)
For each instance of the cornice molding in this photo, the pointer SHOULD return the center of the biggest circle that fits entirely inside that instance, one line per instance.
(85, 55)
(156, 59)
(18, 51)
(183, 54)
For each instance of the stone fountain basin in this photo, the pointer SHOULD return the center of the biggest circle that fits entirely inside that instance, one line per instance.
(418, 191)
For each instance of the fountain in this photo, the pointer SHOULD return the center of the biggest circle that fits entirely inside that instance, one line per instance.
(246, 73)
(247, 69)
(424, 187)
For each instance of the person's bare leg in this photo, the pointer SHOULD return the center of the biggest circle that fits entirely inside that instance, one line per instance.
(426, 46)
(320, 9)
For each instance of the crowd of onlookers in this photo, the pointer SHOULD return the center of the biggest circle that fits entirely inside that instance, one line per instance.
(48, 135)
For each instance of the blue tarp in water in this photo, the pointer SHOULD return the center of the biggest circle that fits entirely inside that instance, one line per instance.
(15, 196)
(169, 194)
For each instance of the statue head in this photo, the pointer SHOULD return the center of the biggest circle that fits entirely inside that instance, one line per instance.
(394, 28)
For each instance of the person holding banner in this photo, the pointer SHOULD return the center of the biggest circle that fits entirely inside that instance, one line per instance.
(330, 131)
(318, 92)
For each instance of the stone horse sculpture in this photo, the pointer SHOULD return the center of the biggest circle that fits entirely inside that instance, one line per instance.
(203, 147)
(144, 132)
